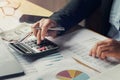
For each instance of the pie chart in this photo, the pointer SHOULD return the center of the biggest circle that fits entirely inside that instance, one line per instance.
(72, 75)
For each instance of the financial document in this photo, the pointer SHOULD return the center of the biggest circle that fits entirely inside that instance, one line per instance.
(81, 53)
(111, 74)
(50, 66)
(46, 68)
(30, 71)
(11, 29)
(17, 33)
(74, 45)
(9, 22)
(79, 44)
(4, 52)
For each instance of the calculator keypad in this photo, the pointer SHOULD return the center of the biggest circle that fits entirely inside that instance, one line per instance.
(31, 48)
(45, 45)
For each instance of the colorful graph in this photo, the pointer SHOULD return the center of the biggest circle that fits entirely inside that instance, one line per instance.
(72, 75)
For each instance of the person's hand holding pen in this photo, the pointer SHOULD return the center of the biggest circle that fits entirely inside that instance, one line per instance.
(43, 28)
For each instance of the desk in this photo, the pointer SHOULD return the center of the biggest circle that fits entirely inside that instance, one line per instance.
(42, 67)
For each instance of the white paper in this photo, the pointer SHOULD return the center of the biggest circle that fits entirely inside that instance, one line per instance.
(4, 53)
(17, 33)
(79, 44)
(50, 72)
(27, 64)
(9, 22)
(71, 45)
(48, 62)
(112, 74)
(11, 28)
(81, 53)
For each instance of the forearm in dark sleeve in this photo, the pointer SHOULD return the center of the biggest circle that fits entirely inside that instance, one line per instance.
(74, 12)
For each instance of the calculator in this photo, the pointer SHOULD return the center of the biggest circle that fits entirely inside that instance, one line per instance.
(31, 48)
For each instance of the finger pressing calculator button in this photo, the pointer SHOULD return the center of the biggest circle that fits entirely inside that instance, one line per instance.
(42, 49)
(40, 46)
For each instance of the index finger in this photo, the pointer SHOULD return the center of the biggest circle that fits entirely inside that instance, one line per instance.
(35, 30)
(44, 29)
(93, 51)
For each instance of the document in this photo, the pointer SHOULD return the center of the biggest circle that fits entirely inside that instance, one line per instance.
(16, 33)
(34, 76)
(9, 22)
(79, 44)
(111, 74)
(28, 66)
(48, 67)
(4, 52)
(81, 53)
(57, 66)
(11, 29)
(75, 45)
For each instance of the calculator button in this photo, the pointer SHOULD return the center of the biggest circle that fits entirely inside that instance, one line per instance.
(49, 47)
(36, 50)
(32, 46)
(35, 42)
(32, 41)
(42, 49)
(46, 48)
(29, 44)
(37, 47)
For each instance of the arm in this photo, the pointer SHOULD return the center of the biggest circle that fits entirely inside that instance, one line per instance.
(74, 12)
(71, 14)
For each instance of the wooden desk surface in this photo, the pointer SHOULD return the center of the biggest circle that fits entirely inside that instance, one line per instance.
(28, 7)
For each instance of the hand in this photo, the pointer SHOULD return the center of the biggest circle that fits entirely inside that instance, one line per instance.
(106, 48)
(44, 24)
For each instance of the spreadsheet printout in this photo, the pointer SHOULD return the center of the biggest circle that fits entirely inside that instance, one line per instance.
(80, 42)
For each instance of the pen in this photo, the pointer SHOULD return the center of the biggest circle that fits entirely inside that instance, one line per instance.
(87, 65)
(53, 28)
(29, 34)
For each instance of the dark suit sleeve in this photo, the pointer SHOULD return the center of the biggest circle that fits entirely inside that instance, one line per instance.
(74, 12)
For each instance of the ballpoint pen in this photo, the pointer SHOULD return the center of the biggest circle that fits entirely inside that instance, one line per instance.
(53, 28)
(38, 28)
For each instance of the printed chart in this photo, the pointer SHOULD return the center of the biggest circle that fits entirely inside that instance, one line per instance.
(72, 75)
